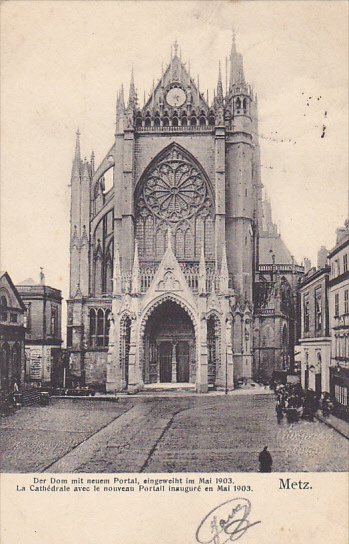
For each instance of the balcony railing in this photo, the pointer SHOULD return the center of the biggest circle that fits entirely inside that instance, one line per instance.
(186, 128)
(189, 269)
(272, 268)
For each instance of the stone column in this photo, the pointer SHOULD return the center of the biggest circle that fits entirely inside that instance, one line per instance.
(229, 357)
(174, 364)
(158, 362)
(219, 181)
(114, 364)
(133, 371)
(202, 370)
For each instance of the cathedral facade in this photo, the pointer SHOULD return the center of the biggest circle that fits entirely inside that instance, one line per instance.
(163, 264)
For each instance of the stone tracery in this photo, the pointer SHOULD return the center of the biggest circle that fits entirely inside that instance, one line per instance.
(174, 192)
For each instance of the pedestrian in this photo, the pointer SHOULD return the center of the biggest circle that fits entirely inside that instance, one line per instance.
(265, 460)
(279, 412)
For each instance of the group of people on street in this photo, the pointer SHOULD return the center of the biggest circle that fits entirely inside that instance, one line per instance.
(294, 402)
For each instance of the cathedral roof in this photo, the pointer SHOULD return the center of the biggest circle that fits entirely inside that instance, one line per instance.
(270, 241)
(272, 244)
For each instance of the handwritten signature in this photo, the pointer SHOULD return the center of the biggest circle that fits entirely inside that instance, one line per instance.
(227, 522)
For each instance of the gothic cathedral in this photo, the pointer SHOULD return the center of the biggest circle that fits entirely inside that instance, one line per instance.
(165, 263)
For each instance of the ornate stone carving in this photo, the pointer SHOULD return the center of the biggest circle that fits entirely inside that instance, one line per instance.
(169, 282)
(174, 189)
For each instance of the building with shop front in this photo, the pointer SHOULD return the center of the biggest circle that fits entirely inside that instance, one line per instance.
(339, 321)
(12, 361)
(165, 238)
(43, 338)
(315, 339)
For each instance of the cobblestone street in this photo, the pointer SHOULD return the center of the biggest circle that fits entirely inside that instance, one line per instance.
(179, 434)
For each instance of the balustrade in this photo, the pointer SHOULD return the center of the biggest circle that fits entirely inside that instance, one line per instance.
(189, 269)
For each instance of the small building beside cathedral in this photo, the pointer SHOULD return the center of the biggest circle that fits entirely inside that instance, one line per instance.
(164, 265)
(43, 330)
(12, 361)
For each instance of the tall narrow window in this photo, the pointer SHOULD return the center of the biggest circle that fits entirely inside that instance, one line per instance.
(100, 328)
(318, 309)
(345, 263)
(54, 320)
(106, 327)
(336, 304)
(306, 313)
(346, 301)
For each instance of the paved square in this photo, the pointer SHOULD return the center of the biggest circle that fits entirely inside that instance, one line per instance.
(157, 434)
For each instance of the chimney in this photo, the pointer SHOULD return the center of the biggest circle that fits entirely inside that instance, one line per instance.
(322, 257)
(307, 265)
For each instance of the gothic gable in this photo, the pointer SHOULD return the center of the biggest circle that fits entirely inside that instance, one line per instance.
(169, 278)
(176, 89)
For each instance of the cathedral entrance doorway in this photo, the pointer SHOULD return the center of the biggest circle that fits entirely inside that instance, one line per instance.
(170, 355)
(165, 360)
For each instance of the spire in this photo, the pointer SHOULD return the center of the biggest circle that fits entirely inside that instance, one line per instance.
(77, 146)
(132, 96)
(122, 98)
(220, 85)
(202, 272)
(42, 276)
(117, 273)
(85, 174)
(224, 275)
(236, 66)
(92, 162)
(175, 48)
(77, 157)
(135, 288)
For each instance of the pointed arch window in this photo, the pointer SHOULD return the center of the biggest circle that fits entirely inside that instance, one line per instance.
(180, 243)
(160, 242)
(211, 120)
(174, 192)
(98, 275)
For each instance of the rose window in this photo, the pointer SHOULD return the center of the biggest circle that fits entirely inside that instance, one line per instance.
(174, 190)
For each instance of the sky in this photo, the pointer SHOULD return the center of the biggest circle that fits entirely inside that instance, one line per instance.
(63, 62)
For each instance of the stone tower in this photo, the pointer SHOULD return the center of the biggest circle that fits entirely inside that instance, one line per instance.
(163, 263)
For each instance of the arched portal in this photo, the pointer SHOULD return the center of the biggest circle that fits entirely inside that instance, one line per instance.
(169, 345)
